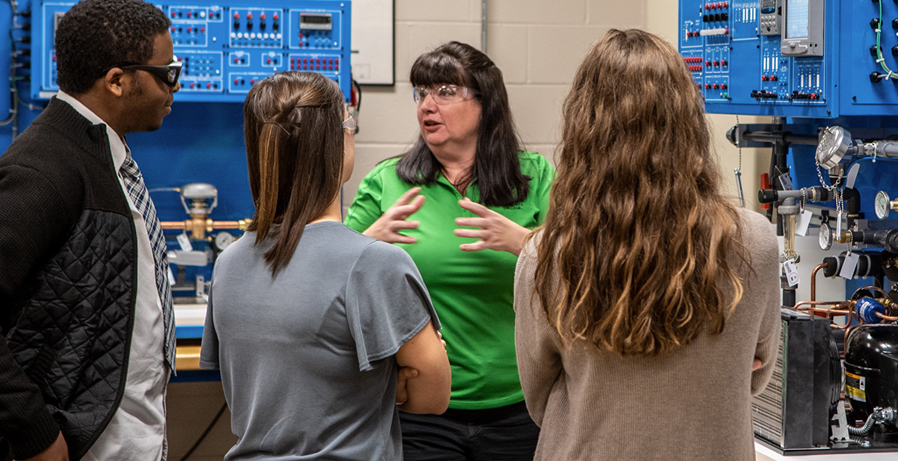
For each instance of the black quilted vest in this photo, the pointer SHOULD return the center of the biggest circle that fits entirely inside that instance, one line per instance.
(73, 332)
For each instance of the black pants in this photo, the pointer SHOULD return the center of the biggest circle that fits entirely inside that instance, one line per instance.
(498, 434)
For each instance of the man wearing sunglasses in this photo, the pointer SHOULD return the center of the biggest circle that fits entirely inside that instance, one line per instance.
(85, 305)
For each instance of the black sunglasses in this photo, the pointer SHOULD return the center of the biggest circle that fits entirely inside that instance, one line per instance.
(168, 74)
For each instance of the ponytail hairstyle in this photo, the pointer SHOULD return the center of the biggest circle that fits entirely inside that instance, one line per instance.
(639, 250)
(294, 150)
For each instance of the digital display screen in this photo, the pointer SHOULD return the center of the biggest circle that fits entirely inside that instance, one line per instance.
(315, 19)
(797, 19)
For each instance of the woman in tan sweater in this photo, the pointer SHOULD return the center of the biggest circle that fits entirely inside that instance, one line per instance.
(647, 306)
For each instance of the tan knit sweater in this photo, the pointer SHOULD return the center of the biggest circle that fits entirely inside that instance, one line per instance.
(692, 404)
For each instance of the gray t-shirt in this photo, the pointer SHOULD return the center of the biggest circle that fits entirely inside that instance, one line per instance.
(307, 358)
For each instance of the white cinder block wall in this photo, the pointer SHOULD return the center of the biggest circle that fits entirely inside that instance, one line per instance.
(538, 45)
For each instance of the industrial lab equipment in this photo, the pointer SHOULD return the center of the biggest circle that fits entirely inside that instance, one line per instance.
(203, 199)
(822, 70)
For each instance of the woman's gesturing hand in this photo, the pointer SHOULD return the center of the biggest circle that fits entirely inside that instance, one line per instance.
(496, 231)
(387, 227)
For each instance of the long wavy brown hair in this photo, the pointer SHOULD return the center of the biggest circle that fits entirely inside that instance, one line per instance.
(639, 250)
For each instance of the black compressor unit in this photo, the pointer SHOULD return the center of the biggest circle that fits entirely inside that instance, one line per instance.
(871, 381)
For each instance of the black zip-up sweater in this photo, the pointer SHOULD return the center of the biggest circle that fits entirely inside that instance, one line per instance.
(68, 271)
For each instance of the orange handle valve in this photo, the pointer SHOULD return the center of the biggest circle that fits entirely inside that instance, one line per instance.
(765, 184)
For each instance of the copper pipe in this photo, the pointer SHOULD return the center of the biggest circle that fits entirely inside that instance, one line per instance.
(886, 317)
(197, 226)
(231, 224)
(821, 303)
(814, 280)
(871, 287)
(829, 311)
(847, 332)
(169, 225)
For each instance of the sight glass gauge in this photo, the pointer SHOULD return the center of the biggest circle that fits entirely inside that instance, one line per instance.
(825, 238)
(881, 204)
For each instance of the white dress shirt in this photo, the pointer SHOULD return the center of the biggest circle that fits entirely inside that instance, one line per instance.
(137, 429)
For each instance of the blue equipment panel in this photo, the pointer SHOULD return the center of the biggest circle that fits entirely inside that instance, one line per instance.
(226, 49)
(735, 51)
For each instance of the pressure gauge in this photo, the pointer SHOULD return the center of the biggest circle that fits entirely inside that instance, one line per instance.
(881, 204)
(223, 240)
(834, 143)
(825, 239)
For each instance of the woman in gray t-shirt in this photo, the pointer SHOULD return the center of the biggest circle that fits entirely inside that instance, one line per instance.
(309, 321)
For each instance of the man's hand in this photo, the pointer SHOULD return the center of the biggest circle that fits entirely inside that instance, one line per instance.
(59, 451)
(387, 227)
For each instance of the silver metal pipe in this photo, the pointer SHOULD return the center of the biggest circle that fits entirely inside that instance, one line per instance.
(483, 26)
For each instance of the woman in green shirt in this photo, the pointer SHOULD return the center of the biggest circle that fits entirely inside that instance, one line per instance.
(483, 196)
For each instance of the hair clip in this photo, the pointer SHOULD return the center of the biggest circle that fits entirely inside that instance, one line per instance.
(278, 125)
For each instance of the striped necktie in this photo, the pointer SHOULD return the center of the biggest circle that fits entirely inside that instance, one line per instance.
(141, 199)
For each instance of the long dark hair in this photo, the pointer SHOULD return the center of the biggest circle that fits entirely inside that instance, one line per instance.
(639, 250)
(294, 150)
(496, 165)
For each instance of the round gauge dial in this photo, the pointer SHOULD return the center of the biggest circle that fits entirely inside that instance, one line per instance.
(881, 204)
(835, 142)
(223, 240)
(825, 239)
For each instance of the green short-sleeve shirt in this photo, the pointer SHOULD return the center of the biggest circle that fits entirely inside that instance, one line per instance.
(472, 292)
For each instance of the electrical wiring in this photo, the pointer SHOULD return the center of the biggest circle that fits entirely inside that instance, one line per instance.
(205, 433)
